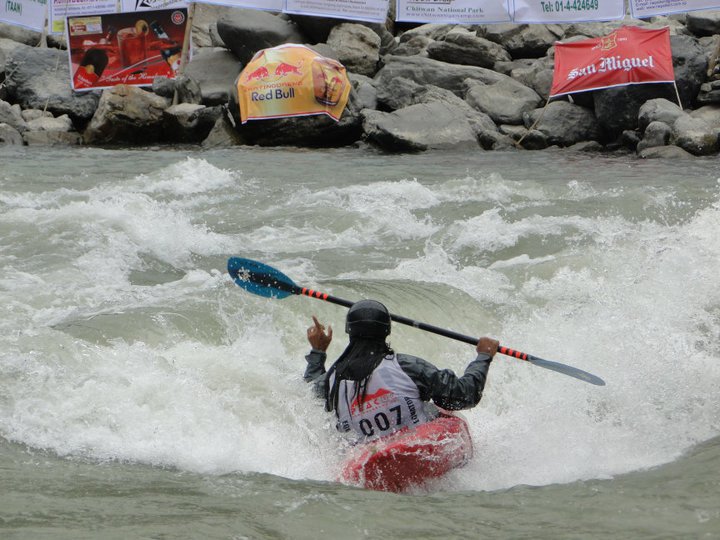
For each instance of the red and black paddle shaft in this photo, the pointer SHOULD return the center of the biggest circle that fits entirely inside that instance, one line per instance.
(264, 280)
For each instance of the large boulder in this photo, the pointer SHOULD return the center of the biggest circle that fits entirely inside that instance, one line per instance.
(10, 136)
(12, 116)
(505, 101)
(523, 40)
(425, 71)
(246, 31)
(214, 70)
(704, 23)
(419, 127)
(189, 122)
(461, 46)
(127, 114)
(39, 79)
(357, 47)
(564, 123)
(658, 110)
(696, 136)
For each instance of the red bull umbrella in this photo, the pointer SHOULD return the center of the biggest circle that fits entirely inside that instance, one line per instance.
(291, 80)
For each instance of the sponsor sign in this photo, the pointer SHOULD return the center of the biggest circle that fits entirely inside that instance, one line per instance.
(266, 5)
(146, 5)
(453, 11)
(291, 80)
(559, 11)
(125, 48)
(62, 9)
(27, 13)
(650, 8)
(630, 55)
(358, 10)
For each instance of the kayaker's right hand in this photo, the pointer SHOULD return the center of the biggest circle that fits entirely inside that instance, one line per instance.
(317, 337)
(487, 346)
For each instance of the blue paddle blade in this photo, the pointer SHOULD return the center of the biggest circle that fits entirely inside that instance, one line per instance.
(261, 279)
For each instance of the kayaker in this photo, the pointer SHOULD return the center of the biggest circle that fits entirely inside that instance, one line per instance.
(375, 391)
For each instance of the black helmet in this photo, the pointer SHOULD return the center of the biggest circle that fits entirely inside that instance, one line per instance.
(368, 319)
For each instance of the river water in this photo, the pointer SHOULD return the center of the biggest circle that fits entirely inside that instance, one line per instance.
(144, 395)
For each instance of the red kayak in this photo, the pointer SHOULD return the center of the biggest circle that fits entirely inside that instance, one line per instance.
(409, 458)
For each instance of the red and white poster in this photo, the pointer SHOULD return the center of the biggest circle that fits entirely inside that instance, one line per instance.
(125, 48)
(630, 55)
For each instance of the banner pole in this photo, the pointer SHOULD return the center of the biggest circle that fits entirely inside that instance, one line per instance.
(185, 47)
(677, 94)
(517, 143)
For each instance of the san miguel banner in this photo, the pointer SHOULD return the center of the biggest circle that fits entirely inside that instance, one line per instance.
(650, 8)
(359, 10)
(630, 55)
(563, 11)
(453, 11)
(27, 13)
(291, 80)
(124, 48)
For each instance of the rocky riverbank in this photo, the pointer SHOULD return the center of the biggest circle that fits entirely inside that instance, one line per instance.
(415, 88)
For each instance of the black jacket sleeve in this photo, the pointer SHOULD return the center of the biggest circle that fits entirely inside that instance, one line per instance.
(315, 371)
(442, 386)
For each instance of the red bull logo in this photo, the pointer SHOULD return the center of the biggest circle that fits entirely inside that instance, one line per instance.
(258, 74)
(284, 69)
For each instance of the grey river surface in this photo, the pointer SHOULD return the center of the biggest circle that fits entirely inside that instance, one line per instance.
(144, 395)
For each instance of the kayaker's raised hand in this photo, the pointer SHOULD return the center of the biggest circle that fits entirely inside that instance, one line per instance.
(317, 337)
(487, 346)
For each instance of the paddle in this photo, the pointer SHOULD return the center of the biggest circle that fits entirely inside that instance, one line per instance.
(264, 280)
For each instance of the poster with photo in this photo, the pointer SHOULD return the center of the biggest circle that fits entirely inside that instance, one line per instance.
(62, 9)
(27, 13)
(125, 48)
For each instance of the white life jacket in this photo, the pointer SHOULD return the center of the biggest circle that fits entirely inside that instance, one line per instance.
(392, 402)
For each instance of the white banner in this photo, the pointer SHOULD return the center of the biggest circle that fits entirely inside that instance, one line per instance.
(265, 5)
(146, 5)
(650, 8)
(27, 13)
(357, 10)
(563, 11)
(59, 9)
(453, 11)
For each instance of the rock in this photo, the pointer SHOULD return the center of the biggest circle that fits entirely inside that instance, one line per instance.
(505, 101)
(187, 90)
(704, 23)
(695, 135)
(534, 139)
(127, 114)
(564, 123)
(9, 135)
(45, 123)
(690, 63)
(709, 93)
(656, 134)
(464, 47)
(52, 138)
(709, 114)
(658, 110)
(246, 31)
(419, 127)
(416, 46)
(665, 152)
(426, 71)
(188, 122)
(39, 79)
(214, 70)
(20, 34)
(357, 47)
(365, 91)
(523, 40)
(222, 135)
(204, 30)
(11, 115)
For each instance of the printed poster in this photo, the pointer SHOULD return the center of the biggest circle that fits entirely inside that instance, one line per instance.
(147, 5)
(291, 80)
(62, 9)
(125, 48)
(357, 10)
(564, 11)
(650, 8)
(630, 55)
(27, 13)
(453, 11)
